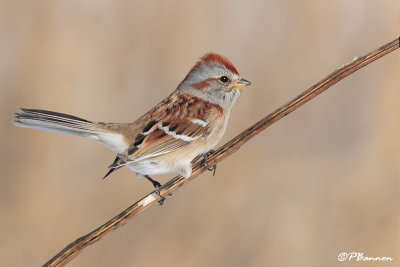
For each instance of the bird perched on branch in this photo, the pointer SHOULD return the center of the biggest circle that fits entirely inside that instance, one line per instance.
(189, 122)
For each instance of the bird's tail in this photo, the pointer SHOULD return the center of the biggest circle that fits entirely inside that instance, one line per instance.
(69, 124)
(54, 122)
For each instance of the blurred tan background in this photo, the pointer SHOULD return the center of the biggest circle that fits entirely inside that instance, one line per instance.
(322, 181)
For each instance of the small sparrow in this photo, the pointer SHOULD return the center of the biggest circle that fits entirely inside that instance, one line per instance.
(189, 122)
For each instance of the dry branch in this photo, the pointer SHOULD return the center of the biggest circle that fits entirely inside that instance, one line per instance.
(73, 249)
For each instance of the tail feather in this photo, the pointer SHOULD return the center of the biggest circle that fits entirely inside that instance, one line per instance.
(69, 124)
(55, 121)
(112, 168)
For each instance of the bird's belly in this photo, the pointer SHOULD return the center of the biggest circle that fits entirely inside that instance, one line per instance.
(178, 161)
(147, 167)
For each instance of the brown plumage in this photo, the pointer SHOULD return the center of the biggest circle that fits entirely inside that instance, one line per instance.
(188, 123)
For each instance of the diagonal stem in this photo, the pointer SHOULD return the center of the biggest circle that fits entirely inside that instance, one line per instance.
(73, 249)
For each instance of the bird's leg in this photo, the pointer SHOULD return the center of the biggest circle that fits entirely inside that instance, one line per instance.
(205, 156)
(156, 185)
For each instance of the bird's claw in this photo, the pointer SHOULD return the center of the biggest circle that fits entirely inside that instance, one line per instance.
(157, 186)
(214, 167)
(162, 200)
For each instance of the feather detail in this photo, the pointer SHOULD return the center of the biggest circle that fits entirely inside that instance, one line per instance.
(213, 57)
(176, 122)
(162, 140)
(72, 125)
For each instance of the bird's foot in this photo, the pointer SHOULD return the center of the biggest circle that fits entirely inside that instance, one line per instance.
(157, 186)
(214, 167)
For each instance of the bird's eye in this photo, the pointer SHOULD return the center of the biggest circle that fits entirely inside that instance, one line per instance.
(224, 79)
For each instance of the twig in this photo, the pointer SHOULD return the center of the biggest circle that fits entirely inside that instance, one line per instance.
(73, 249)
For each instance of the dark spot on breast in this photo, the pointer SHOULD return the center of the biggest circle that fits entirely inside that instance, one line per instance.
(149, 125)
(165, 124)
(139, 139)
(173, 127)
(175, 105)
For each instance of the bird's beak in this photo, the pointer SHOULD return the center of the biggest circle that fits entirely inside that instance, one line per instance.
(242, 83)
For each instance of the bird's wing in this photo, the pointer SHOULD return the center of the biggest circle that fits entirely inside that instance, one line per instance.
(174, 124)
(165, 137)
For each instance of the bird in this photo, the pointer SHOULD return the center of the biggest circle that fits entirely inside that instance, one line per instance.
(188, 123)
